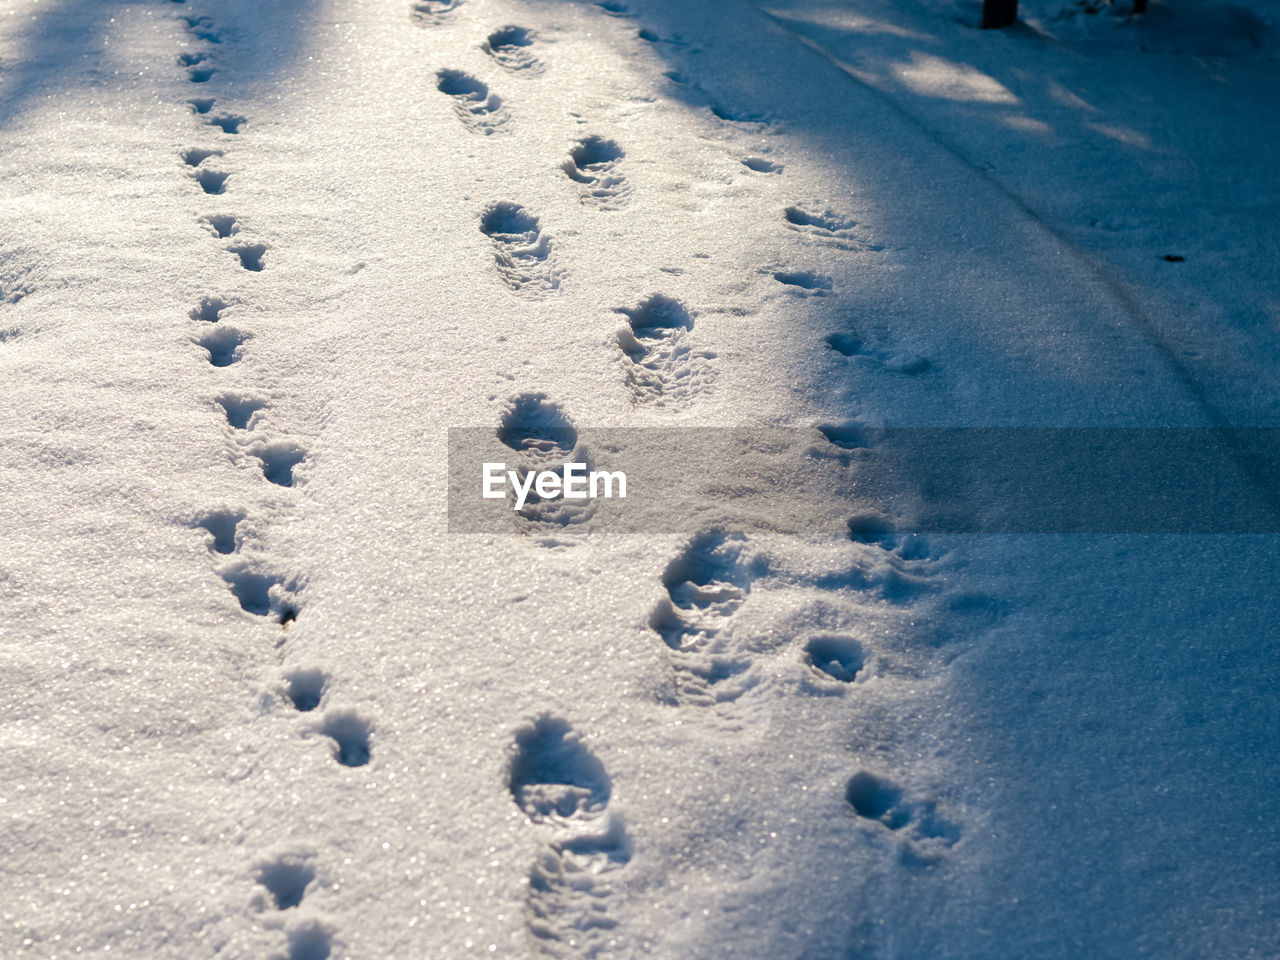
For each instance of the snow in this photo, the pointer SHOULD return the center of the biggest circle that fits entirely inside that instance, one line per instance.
(262, 266)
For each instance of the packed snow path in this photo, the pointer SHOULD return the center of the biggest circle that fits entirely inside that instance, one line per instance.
(257, 259)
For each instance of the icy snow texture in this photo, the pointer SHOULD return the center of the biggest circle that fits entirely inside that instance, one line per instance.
(257, 258)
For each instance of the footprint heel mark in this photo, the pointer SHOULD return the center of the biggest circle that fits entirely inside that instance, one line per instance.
(285, 876)
(351, 734)
(926, 836)
(211, 181)
(544, 438)
(660, 367)
(227, 123)
(433, 12)
(553, 777)
(479, 109)
(250, 255)
(261, 594)
(278, 458)
(305, 688)
(522, 251)
(509, 47)
(240, 408)
(221, 525)
(223, 225)
(706, 585)
(848, 344)
(593, 165)
(828, 227)
(804, 283)
(224, 344)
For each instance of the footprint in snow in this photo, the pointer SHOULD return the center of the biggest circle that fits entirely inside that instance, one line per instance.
(509, 47)
(557, 782)
(706, 585)
(250, 255)
(480, 110)
(522, 250)
(223, 344)
(804, 283)
(593, 165)
(221, 526)
(827, 227)
(878, 800)
(202, 28)
(285, 877)
(660, 368)
(227, 123)
(258, 593)
(545, 439)
(432, 12)
(850, 345)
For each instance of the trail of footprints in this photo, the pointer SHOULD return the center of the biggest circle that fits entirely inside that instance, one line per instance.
(556, 782)
(285, 876)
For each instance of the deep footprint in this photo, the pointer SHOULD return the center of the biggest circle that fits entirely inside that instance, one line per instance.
(522, 251)
(660, 367)
(480, 110)
(593, 165)
(286, 878)
(223, 344)
(509, 46)
(350, 734)
(553, 776)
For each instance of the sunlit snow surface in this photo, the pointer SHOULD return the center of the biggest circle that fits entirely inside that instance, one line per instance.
(257, 258)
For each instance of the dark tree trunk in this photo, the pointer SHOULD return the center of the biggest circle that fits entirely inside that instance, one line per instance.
(998, 13)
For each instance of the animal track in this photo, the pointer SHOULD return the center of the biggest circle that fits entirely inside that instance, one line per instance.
(191, 59)
(509, 46)
(202, 28)
(209, 310)
(522, 251)
(836, 656)
(851, 435)
(201, 105)
(279, 457)
(882, 801)
(760, 165)
(828, 227)
(195, 156)
(286, 878)
(660, 366)
(806, 283)
(259, 593)
(593, 165)
(558, 783)
(479, 110)
(250, 255)
(848, 345)
(227, 123)
(306, 689)
(240, 409)
(350, 734)
(211, 181)
(222, 525)
(224, 225)
(200, 74)
(223, 344)
(432, 12)
(309, 940)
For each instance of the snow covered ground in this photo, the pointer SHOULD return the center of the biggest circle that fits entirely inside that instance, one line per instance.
(258, 259)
